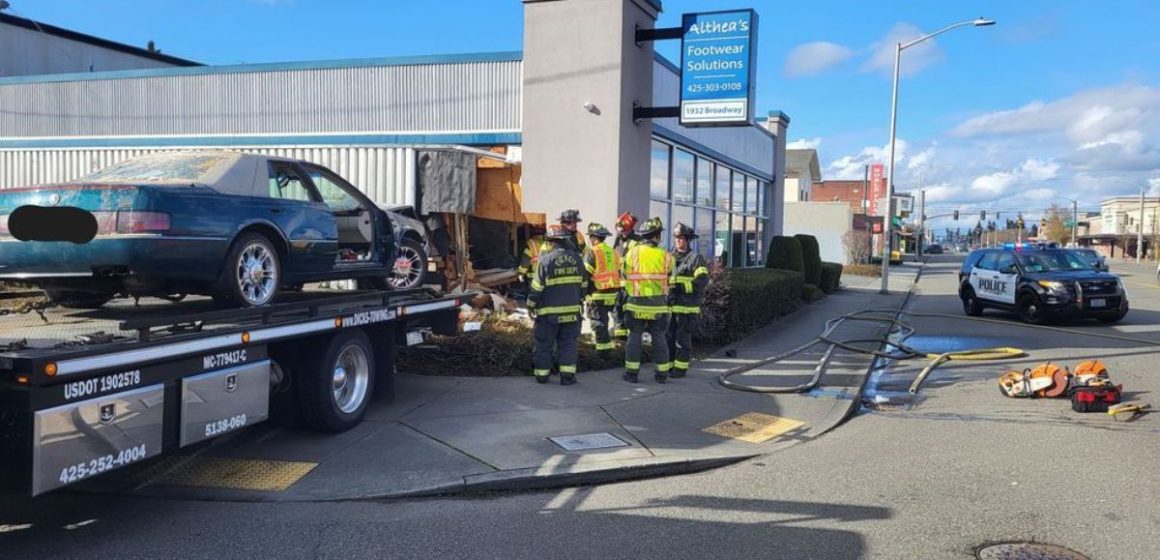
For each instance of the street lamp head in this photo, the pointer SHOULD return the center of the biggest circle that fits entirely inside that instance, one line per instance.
(983, 22)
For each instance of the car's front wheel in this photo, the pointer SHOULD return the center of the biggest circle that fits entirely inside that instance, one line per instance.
(410, 268)
(251, 273)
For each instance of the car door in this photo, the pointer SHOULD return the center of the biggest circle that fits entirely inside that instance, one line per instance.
(358, 213)
(297, 209)
(984, 276)
(1006, 277)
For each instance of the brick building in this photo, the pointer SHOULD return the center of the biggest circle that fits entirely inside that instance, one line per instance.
(850, 192)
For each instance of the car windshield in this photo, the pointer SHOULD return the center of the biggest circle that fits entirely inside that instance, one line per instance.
(1051, 261)
(1089, 256)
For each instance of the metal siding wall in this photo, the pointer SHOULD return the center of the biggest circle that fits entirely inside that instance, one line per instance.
(746, 144)
(469, 96)
(386, 174)
(27, 52)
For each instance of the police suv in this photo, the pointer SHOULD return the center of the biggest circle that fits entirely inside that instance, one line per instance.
(1039, 282)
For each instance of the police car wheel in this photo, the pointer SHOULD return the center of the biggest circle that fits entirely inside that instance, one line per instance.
(1030, 309)
(971, 305)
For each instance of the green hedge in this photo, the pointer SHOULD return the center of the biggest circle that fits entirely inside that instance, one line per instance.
(785, 253)
(757, 296)
(811, 258)
(831, 277)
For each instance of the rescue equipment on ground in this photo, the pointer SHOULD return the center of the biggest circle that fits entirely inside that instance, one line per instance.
(1127, 412)
(1096, 397)
(1045, 380)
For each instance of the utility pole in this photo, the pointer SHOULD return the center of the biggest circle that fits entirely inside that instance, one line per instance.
(1140, 229)
(1075, 223)
(921, 222)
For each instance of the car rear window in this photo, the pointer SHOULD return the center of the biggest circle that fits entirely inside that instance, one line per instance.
(158, 168)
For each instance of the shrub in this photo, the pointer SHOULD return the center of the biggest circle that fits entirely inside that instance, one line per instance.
(757, 296)
(857, 243)
(831, 277)
(811, 258)
(811, 293)
(715, 305)
(785, 253)
(872, 270)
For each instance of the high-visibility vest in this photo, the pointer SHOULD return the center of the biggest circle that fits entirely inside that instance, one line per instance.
(605, 268)
(647, 269)
(531, 258)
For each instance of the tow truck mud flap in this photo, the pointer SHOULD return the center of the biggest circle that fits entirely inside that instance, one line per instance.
(223, 401)
(83, 439)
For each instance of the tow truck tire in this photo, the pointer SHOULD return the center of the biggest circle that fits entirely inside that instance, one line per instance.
(335, 385)
(1030, 309)
(971, 305)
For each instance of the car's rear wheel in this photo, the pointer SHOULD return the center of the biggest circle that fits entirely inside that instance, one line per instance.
(971, 305)
(251, 273)
(1031, 309)
(79, 300)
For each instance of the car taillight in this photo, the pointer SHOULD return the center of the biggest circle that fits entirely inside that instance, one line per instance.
(4, 224)
(128, 221)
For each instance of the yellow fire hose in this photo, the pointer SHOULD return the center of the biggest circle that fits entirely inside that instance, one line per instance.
(977, 354)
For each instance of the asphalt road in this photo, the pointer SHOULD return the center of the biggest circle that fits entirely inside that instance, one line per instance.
(930, 479)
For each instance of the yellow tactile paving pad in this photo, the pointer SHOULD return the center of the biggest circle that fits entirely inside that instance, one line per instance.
(235, 474)
(754, 427)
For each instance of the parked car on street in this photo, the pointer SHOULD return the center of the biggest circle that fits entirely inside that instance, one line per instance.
(1039, 284)
(934, 249)
(1093, 258)
(239, 227)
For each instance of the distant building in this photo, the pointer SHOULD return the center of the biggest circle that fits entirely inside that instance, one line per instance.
(850, 192)
(801, 170)
(30, 48)
(1114, 232)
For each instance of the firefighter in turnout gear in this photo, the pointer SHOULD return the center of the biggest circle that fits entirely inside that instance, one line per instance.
(690, 278)
(647, 271)
(570, 219)
(603, 265)
(557, 288)
(532, 250)
(626, 238)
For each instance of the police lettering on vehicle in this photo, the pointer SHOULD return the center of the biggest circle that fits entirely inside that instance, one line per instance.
(997, 287)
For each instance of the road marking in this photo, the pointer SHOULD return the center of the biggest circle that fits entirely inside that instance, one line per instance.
(755, 427)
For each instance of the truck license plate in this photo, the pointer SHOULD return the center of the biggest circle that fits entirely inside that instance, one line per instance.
(1099, 302)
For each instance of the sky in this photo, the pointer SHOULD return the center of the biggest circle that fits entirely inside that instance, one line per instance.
(1059, 101)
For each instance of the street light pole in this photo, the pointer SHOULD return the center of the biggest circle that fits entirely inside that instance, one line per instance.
(1075, 223)
(1140, 229)
(888, 221)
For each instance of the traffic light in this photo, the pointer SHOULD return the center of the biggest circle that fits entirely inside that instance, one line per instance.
(956, 214)
(983, 215)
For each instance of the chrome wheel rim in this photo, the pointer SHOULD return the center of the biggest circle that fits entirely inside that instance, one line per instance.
(257, 274)
(407, 267)
(350, 378)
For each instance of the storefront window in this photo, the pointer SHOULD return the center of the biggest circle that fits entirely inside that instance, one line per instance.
(750, 195)
(704, 227)
(738, 193)
(683, 176)
(737, 252)
(724, 178)
(760, 233)
(761, 200)
(661, 210)
(704, 182)
(659, 179)
(750, 243)
(721, 238)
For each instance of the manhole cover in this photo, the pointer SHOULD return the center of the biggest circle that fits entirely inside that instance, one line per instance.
(1027, 551)
(588, 441)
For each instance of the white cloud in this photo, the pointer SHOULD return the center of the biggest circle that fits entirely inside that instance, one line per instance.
(913, 59)
(804, 144)
(922, 159)
(1154, 186)
(1129, 140)
(853, 167)
(808, 59)
(1037, 170)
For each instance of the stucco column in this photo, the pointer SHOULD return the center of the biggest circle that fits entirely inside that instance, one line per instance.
(582, 71)
(777, 123)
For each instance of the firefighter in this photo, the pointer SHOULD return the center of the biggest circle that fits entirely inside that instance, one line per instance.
(690, 278)
(647, 270)
(603, 266)
(557, 288)
(532, 249)
(626, 238)
(570, 219)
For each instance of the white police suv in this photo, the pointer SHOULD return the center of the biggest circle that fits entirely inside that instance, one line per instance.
(1039, 283)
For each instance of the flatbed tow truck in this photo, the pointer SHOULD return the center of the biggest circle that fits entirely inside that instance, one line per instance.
(84, 392)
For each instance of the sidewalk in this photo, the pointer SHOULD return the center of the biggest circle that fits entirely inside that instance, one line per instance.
(446, 435)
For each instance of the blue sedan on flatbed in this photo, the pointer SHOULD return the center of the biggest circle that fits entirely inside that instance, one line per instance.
(239, 227)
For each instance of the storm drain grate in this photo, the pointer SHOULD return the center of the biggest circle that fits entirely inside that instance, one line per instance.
(1027, 551)
(584, 442)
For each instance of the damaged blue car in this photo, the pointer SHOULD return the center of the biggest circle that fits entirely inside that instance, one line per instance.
(238, 227)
